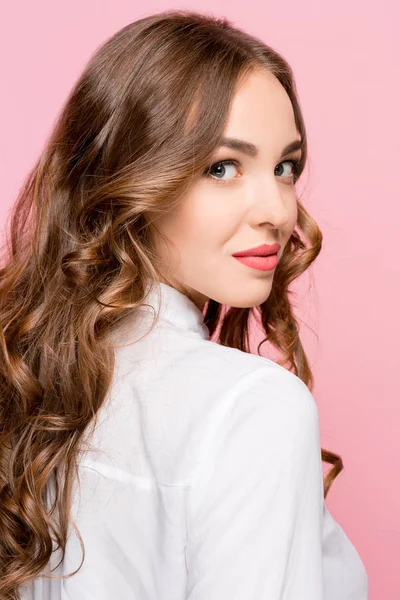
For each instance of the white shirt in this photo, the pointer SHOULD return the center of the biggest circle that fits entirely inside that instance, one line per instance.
(203, 480)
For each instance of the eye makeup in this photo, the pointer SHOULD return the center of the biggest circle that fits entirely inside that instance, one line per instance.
(294, 161)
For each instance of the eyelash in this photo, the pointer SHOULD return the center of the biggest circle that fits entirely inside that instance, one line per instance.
(294, 161)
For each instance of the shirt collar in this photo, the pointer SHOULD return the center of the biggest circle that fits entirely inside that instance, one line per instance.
(175, 307)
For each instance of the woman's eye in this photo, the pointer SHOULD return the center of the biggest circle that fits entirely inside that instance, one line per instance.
(292, 169)
(222, 171)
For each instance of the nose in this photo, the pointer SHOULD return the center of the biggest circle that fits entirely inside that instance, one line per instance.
(271, 203)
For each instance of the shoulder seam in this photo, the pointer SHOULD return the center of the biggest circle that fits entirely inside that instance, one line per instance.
(230, 397)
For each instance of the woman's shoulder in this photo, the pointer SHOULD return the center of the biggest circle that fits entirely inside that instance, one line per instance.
(248, 371)
(255, 391)
(172, 354)
(179, 363)
(180, 398)
(257, 387)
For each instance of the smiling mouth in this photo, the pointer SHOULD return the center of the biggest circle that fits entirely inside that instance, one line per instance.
(262, 250)
(260, 263)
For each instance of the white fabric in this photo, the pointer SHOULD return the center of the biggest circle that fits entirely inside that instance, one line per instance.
(203, 480)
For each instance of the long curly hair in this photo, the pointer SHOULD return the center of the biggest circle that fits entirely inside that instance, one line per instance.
(143, 119)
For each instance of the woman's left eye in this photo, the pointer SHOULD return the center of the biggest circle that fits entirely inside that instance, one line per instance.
(221, 168)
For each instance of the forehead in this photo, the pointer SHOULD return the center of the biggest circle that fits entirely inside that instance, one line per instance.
(261, 111)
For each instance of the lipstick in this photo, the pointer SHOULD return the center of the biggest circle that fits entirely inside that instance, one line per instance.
(262, 258)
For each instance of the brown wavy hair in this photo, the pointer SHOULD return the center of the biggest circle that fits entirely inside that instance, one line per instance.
(142, 121)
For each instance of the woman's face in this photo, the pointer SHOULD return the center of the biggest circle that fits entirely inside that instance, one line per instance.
(237, 206)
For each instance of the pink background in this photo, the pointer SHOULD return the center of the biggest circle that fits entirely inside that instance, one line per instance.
(345, 56)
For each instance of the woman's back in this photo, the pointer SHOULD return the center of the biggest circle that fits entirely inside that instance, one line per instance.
(203, 479)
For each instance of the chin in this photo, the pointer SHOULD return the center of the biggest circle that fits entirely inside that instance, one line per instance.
(248, 304)
(249, 301)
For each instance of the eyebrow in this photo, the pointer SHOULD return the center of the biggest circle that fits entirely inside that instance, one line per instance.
(252, 150)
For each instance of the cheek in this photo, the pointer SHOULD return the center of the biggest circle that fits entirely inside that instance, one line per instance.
(202, 218)
(206, 220)
(189, 224)
(294, 213)
(290, 201)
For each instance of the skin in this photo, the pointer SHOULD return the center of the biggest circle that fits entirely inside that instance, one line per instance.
(256, 204)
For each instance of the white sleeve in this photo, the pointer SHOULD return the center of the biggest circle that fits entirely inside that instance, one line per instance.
(255, 510)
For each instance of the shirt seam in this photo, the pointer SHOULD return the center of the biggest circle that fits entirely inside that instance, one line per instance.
(236, 388)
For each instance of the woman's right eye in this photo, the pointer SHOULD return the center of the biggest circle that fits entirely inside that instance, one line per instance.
(217, 170)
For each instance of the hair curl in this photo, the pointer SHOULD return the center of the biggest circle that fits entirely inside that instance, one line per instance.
(80, 248)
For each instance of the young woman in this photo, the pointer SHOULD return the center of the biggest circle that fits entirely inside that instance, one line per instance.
(141, 459)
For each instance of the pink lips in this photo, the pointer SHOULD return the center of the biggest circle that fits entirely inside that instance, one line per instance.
(262, 258)
(263, 250)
